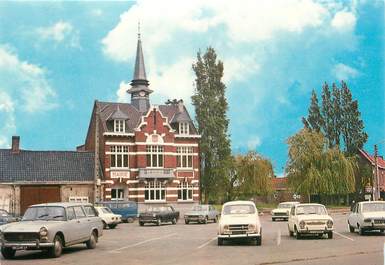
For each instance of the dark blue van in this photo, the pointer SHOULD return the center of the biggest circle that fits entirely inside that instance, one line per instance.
(127, 209)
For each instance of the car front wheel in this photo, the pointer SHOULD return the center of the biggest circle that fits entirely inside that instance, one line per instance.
(112, 226)
(91, 243)
(351, 228)
(361, 231)
(174, 221)
(220, 241)
(297, 234)
(57, 249)
(330, 235)
(8, 253)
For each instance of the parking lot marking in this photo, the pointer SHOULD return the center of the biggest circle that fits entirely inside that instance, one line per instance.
(341, 235)
(279, 237)
(207, 242)
(141, 243)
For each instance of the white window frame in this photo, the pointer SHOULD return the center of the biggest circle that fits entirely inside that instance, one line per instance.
(119, 126)
(184, 128)
(184, 157)
(154, 156)
(189, 191)
(119, 152)
(119, 198)
(155, 191)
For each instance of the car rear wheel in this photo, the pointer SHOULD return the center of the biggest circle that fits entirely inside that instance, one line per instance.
(206, 220)
(141, 223)
(57, 249)
(112, 226)
(272, 219)
(215, 219)
(186, 222)
(174, 221)
(220, 241)
(104, 225)
(91, 243)
(8, 253)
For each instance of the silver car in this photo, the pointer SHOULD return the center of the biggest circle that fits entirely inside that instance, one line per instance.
(201, 214)
(51, 227)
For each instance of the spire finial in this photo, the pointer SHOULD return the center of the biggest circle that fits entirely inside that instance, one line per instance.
(138, 30)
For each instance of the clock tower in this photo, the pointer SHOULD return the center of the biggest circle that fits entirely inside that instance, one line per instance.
(140, 93)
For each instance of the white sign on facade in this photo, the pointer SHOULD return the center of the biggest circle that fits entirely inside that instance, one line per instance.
(120, 174)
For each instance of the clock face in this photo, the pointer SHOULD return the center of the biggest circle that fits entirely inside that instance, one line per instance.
(142, 93)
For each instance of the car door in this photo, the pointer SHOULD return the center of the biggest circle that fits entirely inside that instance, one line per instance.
(92, 218)
(291, 220)
(82, 223)
(72, 227)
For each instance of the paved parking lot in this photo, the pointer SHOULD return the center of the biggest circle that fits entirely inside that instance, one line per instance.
(196, 244)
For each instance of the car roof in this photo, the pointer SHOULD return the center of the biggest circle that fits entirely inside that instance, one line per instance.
(239, 202)
(62, 204)
(309, 204)
(290, 202)
(368, 202)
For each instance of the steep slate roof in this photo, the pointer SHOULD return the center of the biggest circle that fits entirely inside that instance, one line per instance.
(370, 158)
(107, 109)
(46, 166)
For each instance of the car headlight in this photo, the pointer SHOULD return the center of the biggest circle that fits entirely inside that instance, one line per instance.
(302, 224)
(251, 227)
(367, 220)
(153, 215)
(226, 227)
(329, 223)
(43, 232)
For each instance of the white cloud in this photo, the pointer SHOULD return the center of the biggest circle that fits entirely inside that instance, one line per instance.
(60, 32)
(344, 21)
(344, 72)
(97, 12)
(253, 143)
(23, 85)
(121, 93)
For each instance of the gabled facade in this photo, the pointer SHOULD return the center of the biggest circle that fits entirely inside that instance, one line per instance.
(370, 160)
(148, 153)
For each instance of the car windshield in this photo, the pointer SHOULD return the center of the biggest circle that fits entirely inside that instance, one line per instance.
(199, 208)
(106, 210)
(373, 207)
(238, 209)
(3, 213)
(284, 205)
(55, 213)
(311, 209)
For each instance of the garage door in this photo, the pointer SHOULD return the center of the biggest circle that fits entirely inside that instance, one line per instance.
(38, 194)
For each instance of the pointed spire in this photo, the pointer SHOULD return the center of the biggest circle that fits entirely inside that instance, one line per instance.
(140, 71)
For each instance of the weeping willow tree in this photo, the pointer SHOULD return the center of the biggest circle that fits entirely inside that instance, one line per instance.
(254, 174)
(313, 168)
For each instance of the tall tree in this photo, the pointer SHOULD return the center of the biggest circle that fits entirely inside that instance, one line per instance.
(337, 116)
(327, 114)
(314, 120)
(210, 108)
(352, 126)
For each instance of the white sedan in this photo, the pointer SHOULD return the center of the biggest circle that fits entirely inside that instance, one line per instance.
(310, 218)
(282, 211)
(367, 216)
(239, 220)
(108, 217)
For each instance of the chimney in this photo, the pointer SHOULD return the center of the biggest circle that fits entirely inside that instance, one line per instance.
(15, 144)
(180, 106)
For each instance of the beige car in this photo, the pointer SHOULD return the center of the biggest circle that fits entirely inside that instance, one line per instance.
(310, 218)
(239, 220)
(282, 211)
(51, 227)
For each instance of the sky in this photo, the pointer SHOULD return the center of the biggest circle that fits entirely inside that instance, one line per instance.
(56, 58)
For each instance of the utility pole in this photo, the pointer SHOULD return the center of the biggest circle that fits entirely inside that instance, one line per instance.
(97, 161)
(377, 191)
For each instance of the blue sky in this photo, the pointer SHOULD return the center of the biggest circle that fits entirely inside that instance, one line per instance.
(56, 58)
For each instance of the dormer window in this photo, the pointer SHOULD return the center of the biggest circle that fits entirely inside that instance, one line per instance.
(183, 128)
(119, 126)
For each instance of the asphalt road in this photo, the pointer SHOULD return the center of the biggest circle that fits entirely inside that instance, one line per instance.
(196, 244)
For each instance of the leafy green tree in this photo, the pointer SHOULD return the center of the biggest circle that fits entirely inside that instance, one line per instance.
(337, 116)
(327, 114)
(313, 168)
(210, 108)
(254, 175)
(352, 126)
(314, 120)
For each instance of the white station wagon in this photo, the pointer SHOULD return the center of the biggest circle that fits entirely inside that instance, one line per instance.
(367, 216)
(310, 218)
(52, 226)
(239, 220)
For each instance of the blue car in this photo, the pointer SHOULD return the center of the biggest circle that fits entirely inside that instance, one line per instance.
(127, 209)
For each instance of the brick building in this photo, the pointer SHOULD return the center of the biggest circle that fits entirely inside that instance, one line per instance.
(30, 177)
(369, 159)
(148, 153)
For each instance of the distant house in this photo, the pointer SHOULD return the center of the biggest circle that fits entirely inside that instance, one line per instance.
(31, 177)
(369, 159)
(281, 190)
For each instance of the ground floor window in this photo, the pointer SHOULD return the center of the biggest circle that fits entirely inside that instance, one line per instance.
(154, 191)
(117, 194)
(185, 191)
